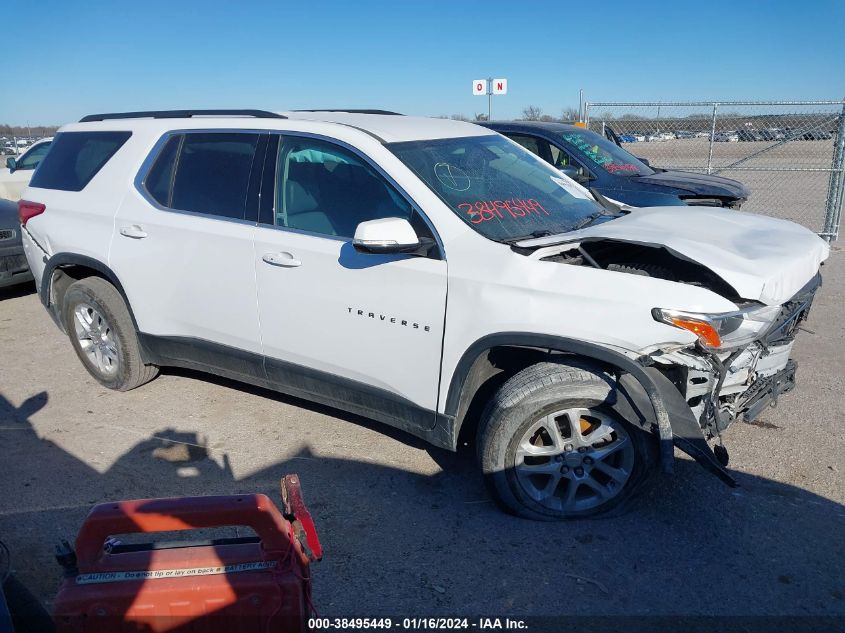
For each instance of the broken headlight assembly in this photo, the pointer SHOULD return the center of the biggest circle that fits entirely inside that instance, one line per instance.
(722, 330)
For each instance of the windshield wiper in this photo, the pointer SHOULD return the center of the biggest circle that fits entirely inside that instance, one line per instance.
(589, 220)
(532, 235)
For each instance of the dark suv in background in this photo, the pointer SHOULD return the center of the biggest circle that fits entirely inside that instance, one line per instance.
(615, 173)
(13, 266)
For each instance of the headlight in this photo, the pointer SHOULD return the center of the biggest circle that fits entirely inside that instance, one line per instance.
(722, 330)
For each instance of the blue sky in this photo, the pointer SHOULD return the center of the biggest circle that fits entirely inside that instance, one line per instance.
(67, 59)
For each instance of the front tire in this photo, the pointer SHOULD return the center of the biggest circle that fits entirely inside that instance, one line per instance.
(551, 448)
(103, 335)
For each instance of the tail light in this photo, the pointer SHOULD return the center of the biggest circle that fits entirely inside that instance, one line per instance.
(28, 210)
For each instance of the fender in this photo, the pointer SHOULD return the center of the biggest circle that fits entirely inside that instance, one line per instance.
(645, 395)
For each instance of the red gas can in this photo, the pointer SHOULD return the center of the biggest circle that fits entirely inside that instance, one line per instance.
(259, 583)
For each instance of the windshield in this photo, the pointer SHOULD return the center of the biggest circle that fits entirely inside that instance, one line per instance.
(500, 189)
(597, 150)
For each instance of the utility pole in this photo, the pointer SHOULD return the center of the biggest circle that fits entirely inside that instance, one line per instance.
(581, 105)
(489, 98)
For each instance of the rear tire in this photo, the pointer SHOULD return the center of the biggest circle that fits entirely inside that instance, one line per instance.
(551, 448)
(103, 335)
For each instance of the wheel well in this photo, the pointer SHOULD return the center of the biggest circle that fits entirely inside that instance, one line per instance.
(490, 370)
(62, 270)
(60, 280)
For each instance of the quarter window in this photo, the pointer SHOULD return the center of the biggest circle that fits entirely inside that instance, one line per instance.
(75, 158)
(325, 189)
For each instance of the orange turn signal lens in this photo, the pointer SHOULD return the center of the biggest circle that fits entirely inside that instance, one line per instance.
(704, 331)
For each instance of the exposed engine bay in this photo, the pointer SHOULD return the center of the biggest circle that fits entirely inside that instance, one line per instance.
(648, 261)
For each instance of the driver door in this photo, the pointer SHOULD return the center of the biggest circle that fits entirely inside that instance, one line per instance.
(355, 330)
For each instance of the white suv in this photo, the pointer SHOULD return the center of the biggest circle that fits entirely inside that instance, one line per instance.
(430, 274)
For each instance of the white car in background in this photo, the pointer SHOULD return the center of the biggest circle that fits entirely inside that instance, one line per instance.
(15, 176)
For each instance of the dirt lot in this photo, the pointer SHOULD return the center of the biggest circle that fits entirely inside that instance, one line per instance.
(409, 530)
(794, 195)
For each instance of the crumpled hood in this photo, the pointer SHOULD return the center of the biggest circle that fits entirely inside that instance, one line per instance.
(764, 259)
(697, 184)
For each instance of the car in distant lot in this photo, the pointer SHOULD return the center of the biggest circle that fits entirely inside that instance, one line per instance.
(7, 150)
(306, 252)
(772, 134)
(627, 138)
(600, 164)
(726, 137)
(816, 135)
(18, 171)
(749, 135)
(683, 134)
(13, 265)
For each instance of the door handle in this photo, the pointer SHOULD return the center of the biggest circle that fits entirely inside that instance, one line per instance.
(134, 231)
(285, 260)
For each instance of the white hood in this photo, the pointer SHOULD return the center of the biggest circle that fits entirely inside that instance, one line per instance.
(763, 259)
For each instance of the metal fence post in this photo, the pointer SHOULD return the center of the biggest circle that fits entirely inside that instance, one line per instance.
(712, 134)
(836, 184)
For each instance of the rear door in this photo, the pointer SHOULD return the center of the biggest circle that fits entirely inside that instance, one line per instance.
(361, 331)
(183, 246)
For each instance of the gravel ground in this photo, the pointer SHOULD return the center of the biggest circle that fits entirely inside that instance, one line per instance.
(410, 530)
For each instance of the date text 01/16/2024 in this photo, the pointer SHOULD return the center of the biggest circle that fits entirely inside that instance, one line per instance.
(414, 624)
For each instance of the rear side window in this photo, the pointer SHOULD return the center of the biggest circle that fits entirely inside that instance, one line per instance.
(159, 180)
(75, 158)
(211, 173)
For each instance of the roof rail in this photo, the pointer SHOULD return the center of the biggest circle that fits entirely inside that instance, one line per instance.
(353, 111)
(180, 114)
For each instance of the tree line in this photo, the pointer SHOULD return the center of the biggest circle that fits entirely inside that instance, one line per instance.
(25, 130)
(531, 113)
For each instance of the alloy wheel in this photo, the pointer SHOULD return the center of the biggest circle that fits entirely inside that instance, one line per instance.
(574, 459)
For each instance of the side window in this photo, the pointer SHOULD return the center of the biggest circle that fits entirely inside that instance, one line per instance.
(561, 158)
(159, 180)
(31, 159)
(212, 173)
(323, 188)
(528, 142)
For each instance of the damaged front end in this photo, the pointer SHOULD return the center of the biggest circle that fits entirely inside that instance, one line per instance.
(720, 386)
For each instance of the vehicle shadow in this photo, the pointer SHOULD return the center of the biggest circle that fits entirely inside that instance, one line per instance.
(401, 543)
(18, 290)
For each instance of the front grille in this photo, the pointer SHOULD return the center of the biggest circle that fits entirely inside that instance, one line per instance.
(12, 263)
(7, 234)
(792, 314)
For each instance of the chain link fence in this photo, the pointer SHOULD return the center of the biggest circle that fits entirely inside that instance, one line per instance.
(790, 154)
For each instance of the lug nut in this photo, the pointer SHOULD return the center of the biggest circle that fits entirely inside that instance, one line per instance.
(568, 447)
(564, 470)
(583, 449)
(579, 471)
(588, 460)
(559, 458)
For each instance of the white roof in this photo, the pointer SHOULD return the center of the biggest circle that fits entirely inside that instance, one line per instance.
(393, 128)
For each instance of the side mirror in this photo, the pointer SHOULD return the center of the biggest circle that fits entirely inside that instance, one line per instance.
(387, 235)
(571, 171)
(11, 163)
(576, 173)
